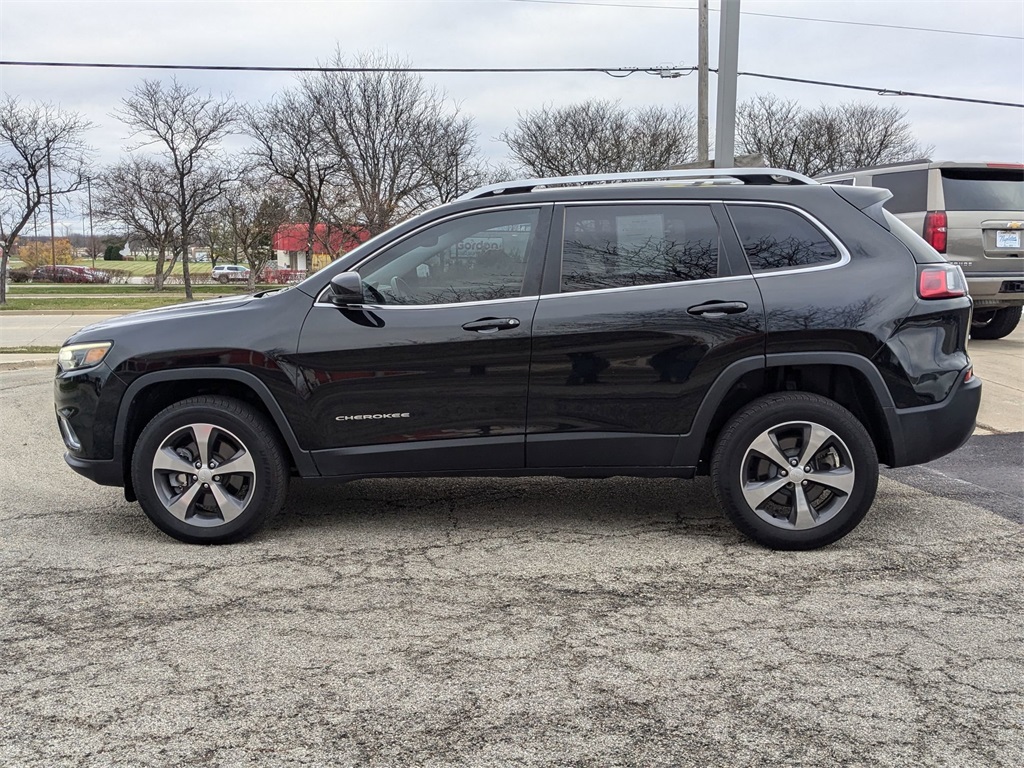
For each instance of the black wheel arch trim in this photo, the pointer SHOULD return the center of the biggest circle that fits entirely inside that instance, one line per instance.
(691, 444)
(303, 461)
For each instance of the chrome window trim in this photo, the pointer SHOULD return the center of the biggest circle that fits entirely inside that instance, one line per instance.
(648, 287)
(844, 255)
(319, 302)
(376, 307)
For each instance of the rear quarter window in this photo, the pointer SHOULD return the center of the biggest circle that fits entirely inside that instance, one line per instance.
(909, 190)
(778, 238)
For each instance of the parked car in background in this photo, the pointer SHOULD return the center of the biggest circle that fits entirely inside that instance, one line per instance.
(226, 273)
(784, 337)
(68, 273)
(973, 214)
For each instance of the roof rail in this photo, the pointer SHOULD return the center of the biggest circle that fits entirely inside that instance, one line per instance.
(743, 175)
(856, 169)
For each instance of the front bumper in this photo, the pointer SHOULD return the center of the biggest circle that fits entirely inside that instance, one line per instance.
(100, 471)
(923, 434)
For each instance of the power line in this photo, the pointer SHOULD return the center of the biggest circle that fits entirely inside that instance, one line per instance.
(775, 16)
(660, 71)
(882, 91)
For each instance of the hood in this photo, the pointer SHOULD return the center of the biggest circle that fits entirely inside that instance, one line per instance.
(188, 309)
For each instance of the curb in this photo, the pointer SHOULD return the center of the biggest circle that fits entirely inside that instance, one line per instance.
(18, 365)
(68, 312)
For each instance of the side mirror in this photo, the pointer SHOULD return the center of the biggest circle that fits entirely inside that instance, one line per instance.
(346, 290)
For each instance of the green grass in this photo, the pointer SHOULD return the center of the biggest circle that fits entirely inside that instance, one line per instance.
(136, 268)
(30, 350)
(76, 303)
(87, 289)
(143, 268)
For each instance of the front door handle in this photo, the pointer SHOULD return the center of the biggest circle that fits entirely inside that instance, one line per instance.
(491, 324)
(718, 308)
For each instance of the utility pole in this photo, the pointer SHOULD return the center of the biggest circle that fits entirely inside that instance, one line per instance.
(728, 62)
(92, 237)
(702, 81)
(49, 192)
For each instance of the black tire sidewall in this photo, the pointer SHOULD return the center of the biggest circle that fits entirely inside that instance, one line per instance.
(771, 411)
(237, 418)
(1002, 323)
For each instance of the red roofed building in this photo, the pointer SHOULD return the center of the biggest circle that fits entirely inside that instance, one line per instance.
(328, 243)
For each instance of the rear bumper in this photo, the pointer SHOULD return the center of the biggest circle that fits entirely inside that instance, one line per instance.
(920, 435)
(995, 290)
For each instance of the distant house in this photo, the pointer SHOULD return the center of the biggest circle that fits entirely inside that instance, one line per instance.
(328, 243)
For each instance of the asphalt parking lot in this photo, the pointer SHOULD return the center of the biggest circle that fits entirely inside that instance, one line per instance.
(497, 622)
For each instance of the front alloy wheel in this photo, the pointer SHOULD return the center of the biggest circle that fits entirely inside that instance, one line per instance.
(204, 475)
(209, 470)
(795, 471)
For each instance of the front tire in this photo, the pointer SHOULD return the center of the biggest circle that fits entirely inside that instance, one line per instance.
(989, 324)
(794, 471)
(209, 470)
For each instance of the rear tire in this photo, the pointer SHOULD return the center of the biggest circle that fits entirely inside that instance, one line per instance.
(794, 471)
(988, 324)
(209, 470)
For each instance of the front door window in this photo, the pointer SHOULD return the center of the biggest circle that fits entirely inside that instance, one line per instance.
(480, 257)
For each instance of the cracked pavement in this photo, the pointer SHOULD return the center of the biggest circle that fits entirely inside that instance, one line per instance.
(496, 622)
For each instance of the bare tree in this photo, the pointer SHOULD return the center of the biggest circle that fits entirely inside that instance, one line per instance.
(450, 158)
(291, 147)
(378, 123)
(825, 139)
(601, 137)
(187, 128)
(771, 127)
(35, 139)
(256, 208)
(137, 194)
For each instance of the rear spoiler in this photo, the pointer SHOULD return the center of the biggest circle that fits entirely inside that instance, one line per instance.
(866, 199)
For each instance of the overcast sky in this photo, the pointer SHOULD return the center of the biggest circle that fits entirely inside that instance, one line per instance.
(538, 33)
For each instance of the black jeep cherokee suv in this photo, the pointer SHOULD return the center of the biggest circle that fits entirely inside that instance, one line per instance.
(784, 336)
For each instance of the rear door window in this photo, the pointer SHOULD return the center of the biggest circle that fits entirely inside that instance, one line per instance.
(983, 189)
(618, 246)
(909, 190)
(778, 238)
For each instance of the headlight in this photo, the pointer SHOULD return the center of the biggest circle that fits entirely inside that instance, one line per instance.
(76, 356)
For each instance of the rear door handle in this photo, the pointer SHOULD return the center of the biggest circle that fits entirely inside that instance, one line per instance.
(718, 308)
(491, 324)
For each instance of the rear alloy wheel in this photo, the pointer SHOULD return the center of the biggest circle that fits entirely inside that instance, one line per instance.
(988, 324)
(209, 470)
(795, 471)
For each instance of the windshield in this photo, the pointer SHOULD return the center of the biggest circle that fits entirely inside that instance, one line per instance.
(983, 189)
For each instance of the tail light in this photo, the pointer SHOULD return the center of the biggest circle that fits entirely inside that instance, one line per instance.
(941, 281)
(935, 230)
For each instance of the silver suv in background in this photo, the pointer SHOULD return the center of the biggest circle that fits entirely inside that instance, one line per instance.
(973, 214)
(225, 273)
